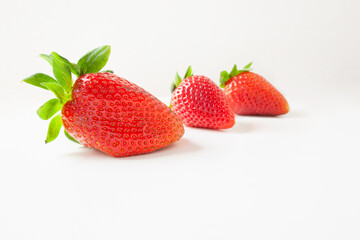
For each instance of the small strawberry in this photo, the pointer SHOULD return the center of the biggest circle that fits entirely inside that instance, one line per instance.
(200, 102)
(250, 94)
(103, 111)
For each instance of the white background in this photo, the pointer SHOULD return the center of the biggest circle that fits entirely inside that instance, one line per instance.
(290, 177)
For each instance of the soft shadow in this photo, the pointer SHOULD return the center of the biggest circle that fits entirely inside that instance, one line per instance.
(293, 113)
(183, 146)
(296, 113)
(259, 116)
(86, 153)
(240, 127)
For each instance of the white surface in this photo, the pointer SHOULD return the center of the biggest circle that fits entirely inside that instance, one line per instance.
(290, 177)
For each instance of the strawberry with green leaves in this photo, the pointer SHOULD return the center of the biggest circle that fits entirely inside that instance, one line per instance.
(104, 111)
(250, 94)
(200, 102)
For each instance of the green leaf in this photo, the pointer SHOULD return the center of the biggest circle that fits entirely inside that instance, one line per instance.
(48, 110)
(248, 66)
(94, 60)
(57, 90)
(38, 78)
(61, 71)
(188, 72)
(234, 71)
(177, 80)
(74, 68)
(224, 77)
(70, 137)
(54, 128)
(172, 87)
(107, 71)
(47, 58)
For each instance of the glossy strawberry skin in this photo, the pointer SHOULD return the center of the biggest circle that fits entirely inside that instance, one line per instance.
(117, 117)
(250, 94)
(201, 103)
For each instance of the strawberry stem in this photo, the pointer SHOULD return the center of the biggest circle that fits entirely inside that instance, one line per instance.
(61, 86)
(225, 76)
(178, 79)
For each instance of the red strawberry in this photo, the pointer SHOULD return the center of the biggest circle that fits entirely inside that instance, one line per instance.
(200, 102)
(102, 110)
(250, 94)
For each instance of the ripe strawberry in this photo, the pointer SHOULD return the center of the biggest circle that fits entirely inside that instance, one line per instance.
(250, 94)
(102, 110)
(200, 102)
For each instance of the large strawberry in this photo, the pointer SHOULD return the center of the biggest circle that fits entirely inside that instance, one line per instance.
(103, 111)
(250, 94)
(200, 102)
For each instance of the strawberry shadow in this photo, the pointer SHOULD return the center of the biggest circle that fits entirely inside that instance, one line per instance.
(86, 154)
(293, 113)
(241, 127)
(183, 147)
(296, 113)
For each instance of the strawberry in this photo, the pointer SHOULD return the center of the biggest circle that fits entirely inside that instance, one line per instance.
(200, 102)
(104, 111)
(250, 94)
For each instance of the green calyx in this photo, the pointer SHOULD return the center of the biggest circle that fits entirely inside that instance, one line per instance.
(178, 79)
(225, 76)
(62, 82)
